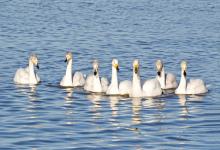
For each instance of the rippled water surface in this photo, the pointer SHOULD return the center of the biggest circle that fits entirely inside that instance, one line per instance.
(50, 117)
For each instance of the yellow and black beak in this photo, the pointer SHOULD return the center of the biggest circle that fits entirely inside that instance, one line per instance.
(136, 69)
(65, 60)
(116, 67)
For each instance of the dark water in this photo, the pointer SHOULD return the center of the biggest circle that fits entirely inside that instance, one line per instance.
(49, 117)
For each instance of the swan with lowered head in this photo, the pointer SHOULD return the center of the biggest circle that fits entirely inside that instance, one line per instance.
(27, 75)
(167, 80)
(93, 82)
(152, 88)
(70, 80)
(195, 86)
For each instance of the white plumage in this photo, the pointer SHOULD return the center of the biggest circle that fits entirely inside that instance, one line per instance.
(69, 79)
(93, 82)
(167, 80)
(28, 75)
(194, 86)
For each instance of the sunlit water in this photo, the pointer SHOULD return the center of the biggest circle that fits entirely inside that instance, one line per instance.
(49, 117)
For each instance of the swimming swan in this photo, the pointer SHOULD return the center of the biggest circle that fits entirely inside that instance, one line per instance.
(167, 80)
(93, 82)
(151, 88)
(195, 86)
(114, 89)
(70, 80)
(27, 75)
(136, 90)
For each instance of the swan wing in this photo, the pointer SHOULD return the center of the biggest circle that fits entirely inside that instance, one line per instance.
(104, 83)
(171, 81)
(125, 87)
(88, 83)
(22, 76)
(196, 86)
(151, 88)
(78, 79)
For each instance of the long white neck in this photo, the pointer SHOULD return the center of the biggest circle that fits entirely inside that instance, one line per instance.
(32, 76)
(136, 85)
(114, 81)
(182, 85)
(69, 78)
(97, 87)
(162, 78)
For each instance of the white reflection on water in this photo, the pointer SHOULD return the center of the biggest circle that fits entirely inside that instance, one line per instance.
(69, 94)
(96, 106)
(27, 90)
(136, 107)
(114, 100)
(184, 110)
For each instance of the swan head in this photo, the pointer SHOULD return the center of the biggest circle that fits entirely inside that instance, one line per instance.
(115, 64)
(69, 56)
(34, 60)
(95, 66)
(183, 66)
(159, 66)
(136, 66)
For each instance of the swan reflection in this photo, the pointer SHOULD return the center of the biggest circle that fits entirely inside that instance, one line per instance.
(27, 90)
(136, 107)
(95, 99)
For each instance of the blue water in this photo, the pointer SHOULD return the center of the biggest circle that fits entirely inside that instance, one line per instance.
(49, 117)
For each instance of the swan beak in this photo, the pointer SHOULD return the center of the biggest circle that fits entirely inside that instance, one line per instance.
(136, 69)
(117, 68)
(158, 73)
(95, 72)
(37, 66)
(184, 73)
(65, 60)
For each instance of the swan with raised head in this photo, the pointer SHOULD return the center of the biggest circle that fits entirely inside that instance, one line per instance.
(167, 80)
(116, 88)
(194, 86)
(94, 83)
(136, 90)
(28, 75)
(70, 80)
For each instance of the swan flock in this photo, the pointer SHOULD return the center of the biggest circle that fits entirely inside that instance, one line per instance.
(95, 83)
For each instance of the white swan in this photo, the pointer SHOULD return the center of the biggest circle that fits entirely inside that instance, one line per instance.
(114, 89)
(93, 82)
(195, 86)
(167, 80)
(70, 80)
(136, 90)
(152, 88)
(27, 75)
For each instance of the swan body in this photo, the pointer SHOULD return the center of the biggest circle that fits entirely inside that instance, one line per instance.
(194, 86)
(125, 87)
(93, 82)
(27, 75)
(70, 80)
(167, 80)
